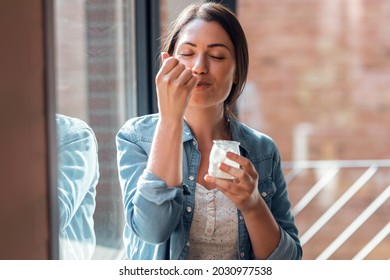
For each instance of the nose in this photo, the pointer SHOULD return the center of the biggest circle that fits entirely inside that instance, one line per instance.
(200, 64)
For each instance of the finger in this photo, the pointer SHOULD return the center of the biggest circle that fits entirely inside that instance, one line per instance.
(235, 172)
(186, 76)
(176, 72)
(237, 158)
(164, 56)
(225, 186)
(192, 82)
(168, 65)
(245, 163)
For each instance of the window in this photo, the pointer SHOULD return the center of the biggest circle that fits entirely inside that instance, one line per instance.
(316, 85)
(95, 81)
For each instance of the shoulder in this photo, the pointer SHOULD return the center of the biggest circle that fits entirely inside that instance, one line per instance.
(255, 142)
(69, 123)
(138, 128)
(71, 129)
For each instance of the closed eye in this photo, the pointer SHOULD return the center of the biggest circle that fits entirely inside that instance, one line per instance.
(185, 54)
(217, 57)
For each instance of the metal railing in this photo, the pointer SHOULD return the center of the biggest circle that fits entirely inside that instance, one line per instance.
(331, 170)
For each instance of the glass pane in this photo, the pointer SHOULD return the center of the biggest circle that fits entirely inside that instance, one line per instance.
(95, 95)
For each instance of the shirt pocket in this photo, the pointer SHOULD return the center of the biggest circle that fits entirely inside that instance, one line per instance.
(267, 189)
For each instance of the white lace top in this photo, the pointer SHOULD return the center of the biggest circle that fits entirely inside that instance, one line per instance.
(214, 228)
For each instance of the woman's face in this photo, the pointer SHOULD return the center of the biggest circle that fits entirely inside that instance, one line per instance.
(206, 48)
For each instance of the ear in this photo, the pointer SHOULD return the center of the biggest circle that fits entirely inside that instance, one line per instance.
(235, 77)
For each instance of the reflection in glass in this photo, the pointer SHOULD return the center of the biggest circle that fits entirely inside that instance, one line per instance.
(95, 76)
(78, 175)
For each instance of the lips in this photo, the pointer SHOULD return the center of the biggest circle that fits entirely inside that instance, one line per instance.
(202, 84)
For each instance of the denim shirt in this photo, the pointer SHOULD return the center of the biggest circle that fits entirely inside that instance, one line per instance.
(158, 218)
(78, 175)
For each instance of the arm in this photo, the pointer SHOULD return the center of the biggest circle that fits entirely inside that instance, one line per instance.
(269, 230)
(174, 85)
(78, 172)
(261, 225)
(152, 209)
(153, 203)
(289, 246)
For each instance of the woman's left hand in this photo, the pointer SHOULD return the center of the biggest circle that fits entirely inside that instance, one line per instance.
(242, 191)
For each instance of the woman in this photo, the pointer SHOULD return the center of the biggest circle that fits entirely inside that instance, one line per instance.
(173, 208)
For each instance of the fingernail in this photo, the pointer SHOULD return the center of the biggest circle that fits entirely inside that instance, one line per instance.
(164, 55)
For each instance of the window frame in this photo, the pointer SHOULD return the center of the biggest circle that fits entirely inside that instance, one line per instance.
(50, 89)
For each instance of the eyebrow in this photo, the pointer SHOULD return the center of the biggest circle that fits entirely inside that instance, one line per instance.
(208, 46)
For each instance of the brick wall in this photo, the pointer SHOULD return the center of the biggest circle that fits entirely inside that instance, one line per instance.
(318, 75)
(103, 90)
(323, 66)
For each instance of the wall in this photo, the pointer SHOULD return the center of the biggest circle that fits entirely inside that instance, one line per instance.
(318, 76)
(24, 214)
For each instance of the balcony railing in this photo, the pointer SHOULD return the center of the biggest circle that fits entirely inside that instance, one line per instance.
(342, 208)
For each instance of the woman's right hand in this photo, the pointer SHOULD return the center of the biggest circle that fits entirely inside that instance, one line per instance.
(174, 84)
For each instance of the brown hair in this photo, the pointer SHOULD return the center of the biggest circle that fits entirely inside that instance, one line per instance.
(209, 11)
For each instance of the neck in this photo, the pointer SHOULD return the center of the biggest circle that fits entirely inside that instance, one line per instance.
(208, 125)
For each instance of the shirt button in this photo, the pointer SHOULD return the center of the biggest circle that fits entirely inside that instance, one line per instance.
(263, 194)
(242, 254)
(194, 143)
(191, 178)
(241, 217)
(189, 209)
(188, 244)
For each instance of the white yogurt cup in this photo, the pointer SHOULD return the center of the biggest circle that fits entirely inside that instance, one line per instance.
(218, 155)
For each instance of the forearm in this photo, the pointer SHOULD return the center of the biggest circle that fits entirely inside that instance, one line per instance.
(263, 230)
(154, 210)
(78, 173)
(165, 159)
(151, 208)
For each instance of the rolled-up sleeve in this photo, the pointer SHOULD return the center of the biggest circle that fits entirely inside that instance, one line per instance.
(289, 246)
(152, 209)
(78, 171)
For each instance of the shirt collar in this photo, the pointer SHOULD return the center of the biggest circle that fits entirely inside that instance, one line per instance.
(187, 133)
(237, 135)
(235, 128)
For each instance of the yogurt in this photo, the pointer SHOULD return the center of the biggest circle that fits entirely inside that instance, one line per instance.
(218, 155)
